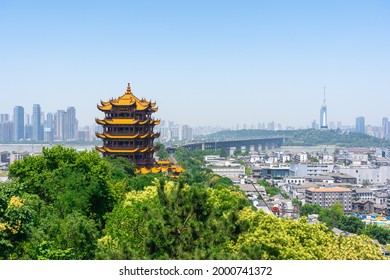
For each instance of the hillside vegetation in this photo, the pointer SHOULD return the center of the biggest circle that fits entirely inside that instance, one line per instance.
(77, 205)
(307, 137)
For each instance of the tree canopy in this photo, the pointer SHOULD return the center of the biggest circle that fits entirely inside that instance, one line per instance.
(68, 204)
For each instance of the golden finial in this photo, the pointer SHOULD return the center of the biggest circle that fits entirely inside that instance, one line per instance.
(128, 88)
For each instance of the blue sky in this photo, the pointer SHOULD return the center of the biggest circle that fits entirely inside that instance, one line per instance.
(204, 62)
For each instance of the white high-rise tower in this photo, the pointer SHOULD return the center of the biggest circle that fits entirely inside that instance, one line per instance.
(323, 115)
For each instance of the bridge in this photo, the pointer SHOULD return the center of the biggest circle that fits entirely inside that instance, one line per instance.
(243, 145)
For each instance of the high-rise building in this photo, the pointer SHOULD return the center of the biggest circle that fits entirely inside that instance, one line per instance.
(36, 123)
(6, 132)
(314, 124)
(70, 132)
(60, 125)
(4, 118)
(28, 131)
(360, 125)
(324, 115)
(27, 119)
(18, 131)
(271, 126)
(49, 121)
(187, 133)
(385, 132)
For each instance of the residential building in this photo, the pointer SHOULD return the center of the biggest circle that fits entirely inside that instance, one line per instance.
(60, 125)
(359, 128)
(294, 180)
(37, 134)
(4, 118)
(363, 206)
(366, 173)
(385, 131)
(18, 130)
(6, 132)
(14, 156)
(70, 132)
(363, 193)
(232, 172)
(309, 169)
(326, 197)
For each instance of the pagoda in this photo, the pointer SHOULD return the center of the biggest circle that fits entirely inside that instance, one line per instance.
(128, 132)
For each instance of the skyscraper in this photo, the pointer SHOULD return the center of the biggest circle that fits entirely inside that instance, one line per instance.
(70, 124)
(4, 118)
(60, 125)
(18, 131)
(360, 125)
(37, 134)
(385, 132)
(323, 115)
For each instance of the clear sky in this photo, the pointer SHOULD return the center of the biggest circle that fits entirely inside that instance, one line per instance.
(204, 62)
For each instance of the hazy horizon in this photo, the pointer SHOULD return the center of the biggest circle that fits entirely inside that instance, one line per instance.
(217, 63)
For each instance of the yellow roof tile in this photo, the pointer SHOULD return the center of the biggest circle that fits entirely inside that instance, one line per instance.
(123, 151)
(126, 121)
(128, 99)
(109, 136)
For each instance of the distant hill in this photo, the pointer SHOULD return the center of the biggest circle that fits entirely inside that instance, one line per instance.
(306, 137)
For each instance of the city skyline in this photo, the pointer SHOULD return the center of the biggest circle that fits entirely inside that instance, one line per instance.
(267, 125)
(218, 63)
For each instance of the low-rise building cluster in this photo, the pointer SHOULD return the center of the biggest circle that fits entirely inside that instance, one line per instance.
(357, 178)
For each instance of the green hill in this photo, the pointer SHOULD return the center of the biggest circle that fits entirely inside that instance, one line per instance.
(307, 137)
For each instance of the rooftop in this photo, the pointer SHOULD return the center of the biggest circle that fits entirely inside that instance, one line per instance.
(329, 190)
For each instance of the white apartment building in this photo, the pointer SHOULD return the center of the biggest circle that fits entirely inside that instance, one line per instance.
(309, 169)
(371, 174)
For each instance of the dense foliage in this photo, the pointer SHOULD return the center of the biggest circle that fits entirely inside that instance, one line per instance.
(66, 204)
(335, 218)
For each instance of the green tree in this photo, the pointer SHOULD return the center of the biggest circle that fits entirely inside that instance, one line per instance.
(332, 217)
(351, 224)
(68, 179)
(223, 153)
(264, 236)
(309, 209)
(15, 222)
(263, 182)
(73, 236)
(172, 221)
(379, 233)
(296, 201)
(120, 168)
(162, 153)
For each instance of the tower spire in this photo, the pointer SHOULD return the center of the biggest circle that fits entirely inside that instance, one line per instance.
(324, 96)
(128, 88)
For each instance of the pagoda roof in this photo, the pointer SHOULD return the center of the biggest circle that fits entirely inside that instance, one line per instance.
(172, 169)
(124, 151)
(177, 169)
(126, 121)
(128, 99)
(154, 169)
(109, 136)
(163, 162)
